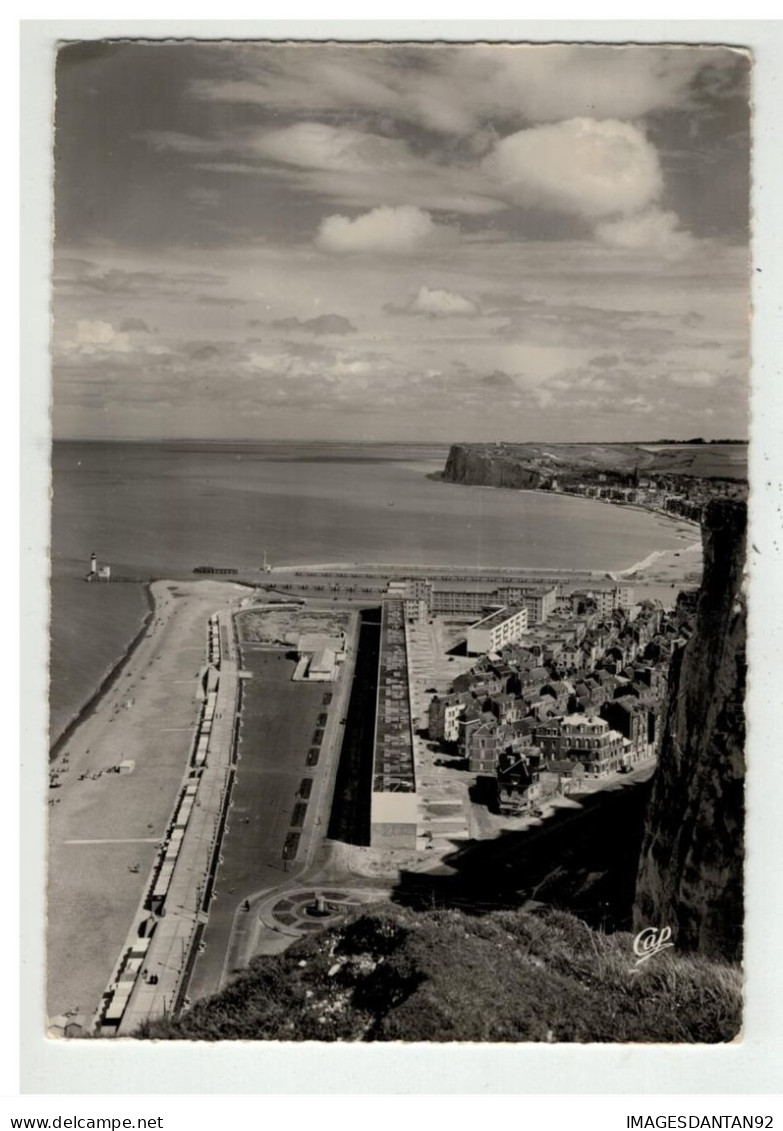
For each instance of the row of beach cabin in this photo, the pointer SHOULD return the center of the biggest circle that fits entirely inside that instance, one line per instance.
(204, 732)
(213, 641)
(126, 980)
(118, 995)
(119, 992)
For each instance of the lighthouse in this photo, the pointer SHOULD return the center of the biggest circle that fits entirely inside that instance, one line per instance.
(96, 574)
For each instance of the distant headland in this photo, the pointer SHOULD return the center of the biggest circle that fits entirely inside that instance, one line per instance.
(569, 467)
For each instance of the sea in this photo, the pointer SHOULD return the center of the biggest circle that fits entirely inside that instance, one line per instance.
(155, 510)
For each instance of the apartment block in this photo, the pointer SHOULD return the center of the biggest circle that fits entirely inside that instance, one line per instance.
(493, 632)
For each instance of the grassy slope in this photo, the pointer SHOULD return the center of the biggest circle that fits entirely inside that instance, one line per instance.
(392, 974)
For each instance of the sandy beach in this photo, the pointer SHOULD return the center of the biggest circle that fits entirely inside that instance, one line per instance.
(61, 728)
(103, 824)
(664, 573)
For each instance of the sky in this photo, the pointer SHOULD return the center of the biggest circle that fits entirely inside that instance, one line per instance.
(400, 242)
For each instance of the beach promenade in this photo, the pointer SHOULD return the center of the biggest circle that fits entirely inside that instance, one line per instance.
(156, 991)
(106, 826)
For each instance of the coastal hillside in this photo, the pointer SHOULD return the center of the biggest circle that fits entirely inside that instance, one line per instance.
(391, 974)
(691, 871)
(536, 465)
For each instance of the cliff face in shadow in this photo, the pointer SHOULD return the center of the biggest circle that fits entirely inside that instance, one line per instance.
(691, 866)
(488, 467)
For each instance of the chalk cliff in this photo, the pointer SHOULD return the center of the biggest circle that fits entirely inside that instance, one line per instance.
(489, 467)
(691, 867)
(536, 464)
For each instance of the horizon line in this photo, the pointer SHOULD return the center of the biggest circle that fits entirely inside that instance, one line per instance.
(354, 441)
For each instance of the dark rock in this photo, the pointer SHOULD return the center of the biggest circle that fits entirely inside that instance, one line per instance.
(489, 467)
(691, 867)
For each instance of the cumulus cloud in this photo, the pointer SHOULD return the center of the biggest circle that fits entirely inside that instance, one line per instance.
(653, 230)
(440, 303)
(581, 167)
(557, 81)
(405, 230)
(323, 324)
(585, 158)
(129, 324)
(97, 337)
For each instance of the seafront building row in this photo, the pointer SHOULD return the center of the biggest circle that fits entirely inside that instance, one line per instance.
(424, 597)
(675, 495)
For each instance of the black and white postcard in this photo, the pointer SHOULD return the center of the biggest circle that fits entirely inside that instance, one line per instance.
(400, 399)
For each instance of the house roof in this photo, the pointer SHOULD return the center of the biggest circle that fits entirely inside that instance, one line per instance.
(497, 617)
(516, 770)
(523, 726)
(536, 674)
(562, 766)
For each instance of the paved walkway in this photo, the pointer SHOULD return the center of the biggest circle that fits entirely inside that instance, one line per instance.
(170, 944)
(105, 827)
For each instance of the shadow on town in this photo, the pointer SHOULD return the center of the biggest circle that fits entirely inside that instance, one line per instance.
(583, 858)
(459, 649)
(445, 753)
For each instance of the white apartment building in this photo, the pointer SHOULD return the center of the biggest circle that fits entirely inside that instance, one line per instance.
(539, 602)
(501, 627)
